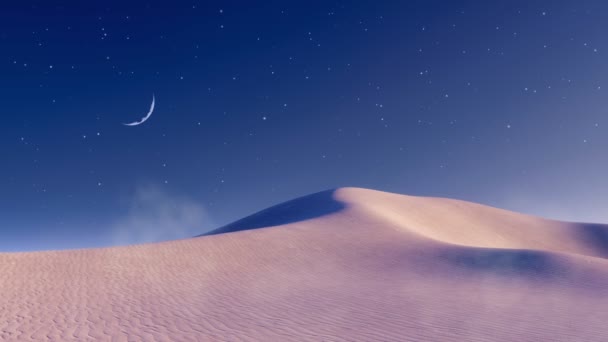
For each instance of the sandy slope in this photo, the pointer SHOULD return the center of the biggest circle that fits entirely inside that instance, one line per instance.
(349, 265)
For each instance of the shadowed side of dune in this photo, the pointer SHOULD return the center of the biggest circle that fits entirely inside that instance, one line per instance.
(299, 209)
(507, 262)
(596, 235)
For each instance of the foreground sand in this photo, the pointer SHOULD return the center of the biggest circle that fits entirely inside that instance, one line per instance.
(344, 265)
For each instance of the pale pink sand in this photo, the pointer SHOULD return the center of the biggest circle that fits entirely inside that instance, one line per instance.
(370, 266)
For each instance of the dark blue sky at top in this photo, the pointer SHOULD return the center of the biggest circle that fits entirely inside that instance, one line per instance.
(498, 102)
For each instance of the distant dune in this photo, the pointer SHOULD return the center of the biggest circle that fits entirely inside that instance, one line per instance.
(344, 265)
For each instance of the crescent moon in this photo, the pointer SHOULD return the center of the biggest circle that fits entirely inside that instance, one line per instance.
(137, 123)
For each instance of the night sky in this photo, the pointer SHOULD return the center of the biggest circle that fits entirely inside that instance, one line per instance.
(499, 102)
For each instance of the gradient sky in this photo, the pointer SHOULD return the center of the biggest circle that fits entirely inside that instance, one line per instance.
(499, 102)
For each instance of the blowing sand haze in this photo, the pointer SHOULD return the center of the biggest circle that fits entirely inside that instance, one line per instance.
(344, 265)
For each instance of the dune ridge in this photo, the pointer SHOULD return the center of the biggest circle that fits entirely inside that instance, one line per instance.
(340, 265)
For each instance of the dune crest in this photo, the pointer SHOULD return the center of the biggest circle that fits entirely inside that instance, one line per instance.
(341, 265)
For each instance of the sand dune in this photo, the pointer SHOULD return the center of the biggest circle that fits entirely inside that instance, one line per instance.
(344, 265)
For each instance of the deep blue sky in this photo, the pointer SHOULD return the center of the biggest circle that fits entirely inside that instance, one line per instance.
(499, 102)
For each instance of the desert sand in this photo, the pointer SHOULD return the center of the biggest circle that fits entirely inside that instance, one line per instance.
(342, 265)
